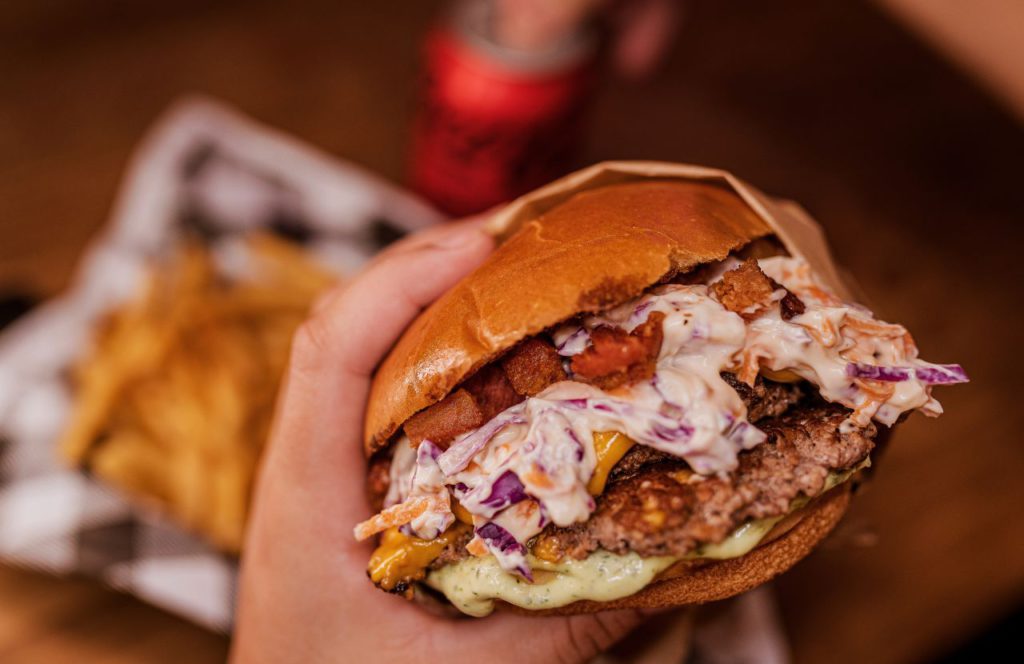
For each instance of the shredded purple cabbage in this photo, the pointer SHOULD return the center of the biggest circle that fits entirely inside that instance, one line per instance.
(458, 456)
(506, 490)
(676, 434)
(544, 518)
(574, 343)
(427, 450)
(869, 371)
(500, 538)
(939, 374)
(745, 434)
(506, 548)
(670, 408)
(639, 310)
(579, 444)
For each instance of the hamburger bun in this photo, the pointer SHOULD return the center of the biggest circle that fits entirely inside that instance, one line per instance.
(598, 249)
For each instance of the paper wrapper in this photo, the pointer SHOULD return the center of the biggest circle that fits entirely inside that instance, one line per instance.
(798, 232)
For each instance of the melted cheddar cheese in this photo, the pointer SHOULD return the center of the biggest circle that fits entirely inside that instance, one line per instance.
(461, 513)
(784, 376)
(609, 446)
(402, 558)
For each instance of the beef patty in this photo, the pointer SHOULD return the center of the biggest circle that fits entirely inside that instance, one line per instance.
(662, 508)
(655, 506)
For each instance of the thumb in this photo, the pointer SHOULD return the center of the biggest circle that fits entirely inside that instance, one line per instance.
(561, 639)
(318, 425)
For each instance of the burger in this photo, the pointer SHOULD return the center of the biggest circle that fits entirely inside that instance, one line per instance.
(647, 396)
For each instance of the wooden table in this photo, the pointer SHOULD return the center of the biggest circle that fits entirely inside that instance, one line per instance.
(908, 165)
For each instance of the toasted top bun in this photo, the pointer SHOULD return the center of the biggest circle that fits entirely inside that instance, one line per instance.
(594, 251)
(721, 579)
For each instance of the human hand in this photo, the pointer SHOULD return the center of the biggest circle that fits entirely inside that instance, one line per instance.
(304, 594)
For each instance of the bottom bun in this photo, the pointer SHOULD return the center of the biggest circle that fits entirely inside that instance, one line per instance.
(707, 582)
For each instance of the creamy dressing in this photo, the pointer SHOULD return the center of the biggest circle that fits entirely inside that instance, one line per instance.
(821, 344)
(473, 584)
(530, 465)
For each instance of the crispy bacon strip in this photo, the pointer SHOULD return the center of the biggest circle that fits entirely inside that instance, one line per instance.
(480, 398)
(744, 290)
(616, 357)
(492, 391)
(748, 291)
(456, 413)
(532, 366)
(791, 305)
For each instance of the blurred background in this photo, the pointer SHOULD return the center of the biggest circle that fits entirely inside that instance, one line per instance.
(896, 123)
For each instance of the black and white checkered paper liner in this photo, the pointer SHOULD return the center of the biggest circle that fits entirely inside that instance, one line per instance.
(208, 169)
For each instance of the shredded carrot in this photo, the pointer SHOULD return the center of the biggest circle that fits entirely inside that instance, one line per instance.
(396, 515)
(749, 366)
(863, 413)
(525, 509)
(538, 478)
(876, 389)
(476, 547)
(864, 334)
(878, 393)
(875, 328)
(827, 335)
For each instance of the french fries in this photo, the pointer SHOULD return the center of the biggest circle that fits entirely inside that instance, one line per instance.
(174, 402)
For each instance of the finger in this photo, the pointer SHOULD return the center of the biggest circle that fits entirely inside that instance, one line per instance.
(413, 242)
(357, 327)
(317, 431)
(430, 236)
(558, 638)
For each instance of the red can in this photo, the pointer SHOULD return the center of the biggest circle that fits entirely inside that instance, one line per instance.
(494, 123)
